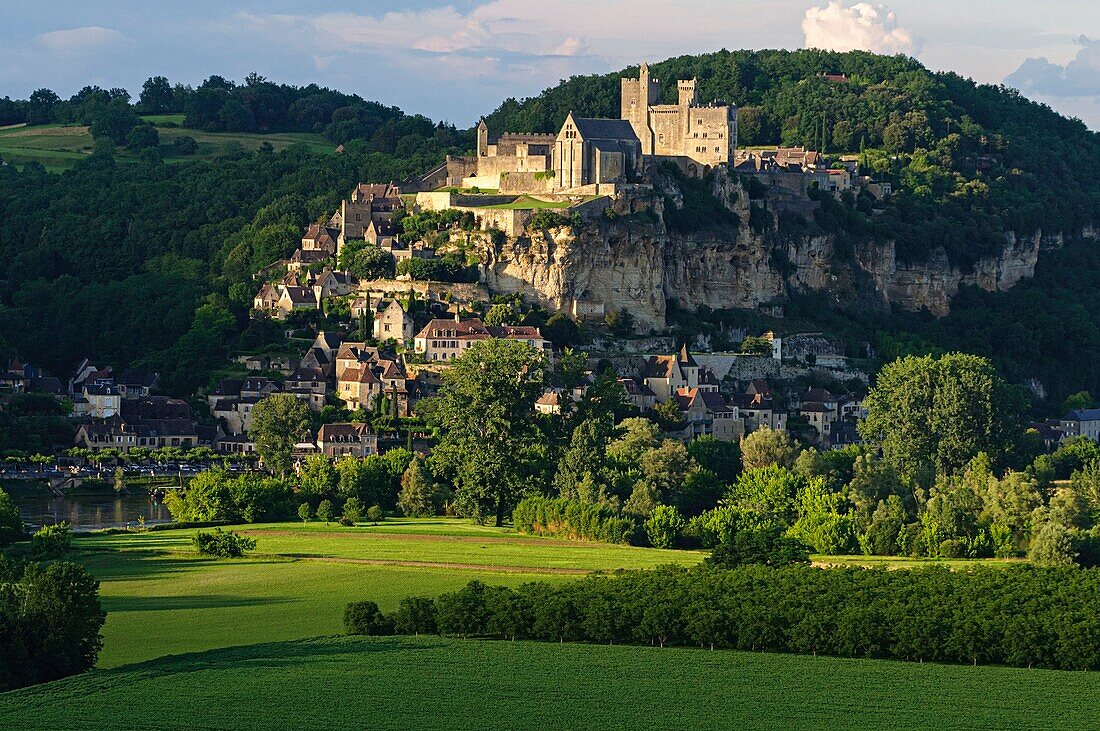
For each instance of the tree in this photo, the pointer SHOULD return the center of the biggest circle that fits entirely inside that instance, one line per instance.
(668, 415)
(719, 456)
(365, 618)
(156, 95)
(491, 446)
(1052, 546)
(366, 261)
(420, 497)
(57, 617)
(143, 136)
(317, 477)
(767, 547)
(114, 122)
(185, 145)
(353, 509)
(326, 511)
(582, 459)
(277, 423)
(305, 512)
(933, 415)
(222, 544)
(664, 526)
(765, 447)
(502, 314)
(11, 525)
(415, 615)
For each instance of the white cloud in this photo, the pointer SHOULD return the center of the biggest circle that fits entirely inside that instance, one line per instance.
(1078, 78)
(79, 40)
(859, 27)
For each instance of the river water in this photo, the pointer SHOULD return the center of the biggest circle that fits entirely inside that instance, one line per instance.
(90, 512)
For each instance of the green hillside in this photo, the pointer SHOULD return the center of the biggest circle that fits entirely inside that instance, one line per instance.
(427, 682)
(58, 147)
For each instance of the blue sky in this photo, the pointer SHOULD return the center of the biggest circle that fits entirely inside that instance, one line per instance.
(457, 60)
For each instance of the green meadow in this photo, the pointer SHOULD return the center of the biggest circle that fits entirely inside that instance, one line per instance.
(162, 598)
(480, 685)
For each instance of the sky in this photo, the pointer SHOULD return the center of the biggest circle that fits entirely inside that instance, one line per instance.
(457, 60)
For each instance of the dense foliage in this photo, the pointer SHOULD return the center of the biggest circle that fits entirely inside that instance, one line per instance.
(217, 496)
(50, 620)
(92, 251)
(574, 519)
(1019, 616)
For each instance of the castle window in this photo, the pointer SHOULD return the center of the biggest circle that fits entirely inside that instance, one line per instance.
(704, 135)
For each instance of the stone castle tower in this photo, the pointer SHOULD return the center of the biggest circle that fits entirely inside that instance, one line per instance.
(637, 96)
(705, 135)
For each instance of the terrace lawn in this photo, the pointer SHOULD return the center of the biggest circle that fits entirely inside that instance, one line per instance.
(162, 598)
(526, 202)
(428, 682)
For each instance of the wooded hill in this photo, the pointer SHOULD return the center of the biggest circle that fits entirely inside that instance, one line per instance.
(138, 262)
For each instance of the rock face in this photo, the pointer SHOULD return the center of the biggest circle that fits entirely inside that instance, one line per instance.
(628, 259)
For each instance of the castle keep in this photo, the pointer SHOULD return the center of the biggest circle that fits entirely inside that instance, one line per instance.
(704, 134)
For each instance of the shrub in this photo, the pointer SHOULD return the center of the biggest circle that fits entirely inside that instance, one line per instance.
(51, 541)
(222, 544)
(186, 145)
(664, 526)
(305, 512)
(375, 514)
(572, 519)
(365, 618)
(326, 511)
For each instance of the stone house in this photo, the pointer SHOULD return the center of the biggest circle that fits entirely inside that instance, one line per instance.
(1082, 423)
(707, 413)
(353, 439)
(292, 298)
(638, 394)
(391, 322)
(334, 284)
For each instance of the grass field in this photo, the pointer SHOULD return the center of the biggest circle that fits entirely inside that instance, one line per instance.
(162, 598)
(427, 682)
(57, 147)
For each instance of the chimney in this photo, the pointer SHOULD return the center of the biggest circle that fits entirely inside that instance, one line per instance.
(458, 313)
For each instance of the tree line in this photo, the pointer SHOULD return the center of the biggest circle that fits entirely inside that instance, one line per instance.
(1021, 616)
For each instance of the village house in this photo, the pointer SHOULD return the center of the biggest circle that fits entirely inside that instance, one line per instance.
(135, 383)
(707, 413)
(347, 439)
(368, 202)
(391, 322)
(1082, 423)
(442, 340)
(664, 375)
(302, 259)
(638, 394)
(333, 284)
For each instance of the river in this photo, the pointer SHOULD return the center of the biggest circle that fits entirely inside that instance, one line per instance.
(91, 512)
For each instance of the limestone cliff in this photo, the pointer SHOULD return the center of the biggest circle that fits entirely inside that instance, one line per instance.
(628, 258)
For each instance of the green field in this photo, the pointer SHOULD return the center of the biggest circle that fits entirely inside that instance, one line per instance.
(428, 682)
(162, 598)
(57, 147)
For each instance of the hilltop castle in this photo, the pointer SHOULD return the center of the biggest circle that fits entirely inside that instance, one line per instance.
(602, 152)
